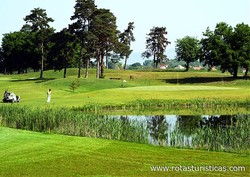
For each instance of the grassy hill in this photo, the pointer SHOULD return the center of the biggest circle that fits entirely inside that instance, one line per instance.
(145, 86)
(25, 153)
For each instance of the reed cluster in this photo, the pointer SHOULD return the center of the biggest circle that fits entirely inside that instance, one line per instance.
(72, 122)
(232, 135)
(229, 137)
(197, 105)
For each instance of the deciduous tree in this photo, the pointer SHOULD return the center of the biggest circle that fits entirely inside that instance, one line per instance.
(226, 47)
(18, 52)
(241, 45)
(63, 50)
(187, 49)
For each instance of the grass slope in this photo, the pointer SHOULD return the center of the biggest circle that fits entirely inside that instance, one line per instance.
(24, 153)
(145, 86)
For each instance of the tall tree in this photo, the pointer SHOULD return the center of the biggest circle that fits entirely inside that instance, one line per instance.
(39, 22)
(241, 45)
(84, 10)
(225, 52)
(103, 26)
(32, 51)
(18, 51)
(63, 50)
(156, 44)
(207, 50)
(226, 47)
(126, 38)
(187, 49)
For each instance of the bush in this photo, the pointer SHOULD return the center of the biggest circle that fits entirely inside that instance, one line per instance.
(74, 85)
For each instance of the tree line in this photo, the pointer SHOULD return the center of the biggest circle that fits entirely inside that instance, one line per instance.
(225, 46)
(93, 40)
(93, 34)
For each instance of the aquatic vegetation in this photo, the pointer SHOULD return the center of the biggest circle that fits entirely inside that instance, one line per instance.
(71, 122)
(229, 133)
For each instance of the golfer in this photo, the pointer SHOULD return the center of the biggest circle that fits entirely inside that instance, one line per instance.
(48, 95)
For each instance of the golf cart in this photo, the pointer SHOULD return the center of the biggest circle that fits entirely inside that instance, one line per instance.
(10, 97)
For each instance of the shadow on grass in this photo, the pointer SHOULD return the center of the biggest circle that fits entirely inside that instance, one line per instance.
(37, 80)
(194, 80)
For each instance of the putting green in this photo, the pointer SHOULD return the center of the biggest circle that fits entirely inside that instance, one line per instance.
(177, 88)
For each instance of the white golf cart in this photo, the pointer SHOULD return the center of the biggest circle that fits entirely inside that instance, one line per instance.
(10, 97)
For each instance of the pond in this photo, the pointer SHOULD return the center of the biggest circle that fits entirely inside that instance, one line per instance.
(230, 133)
(212, 132)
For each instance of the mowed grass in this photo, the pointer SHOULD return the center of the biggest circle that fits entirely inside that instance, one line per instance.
(145, 86)
(25, 153)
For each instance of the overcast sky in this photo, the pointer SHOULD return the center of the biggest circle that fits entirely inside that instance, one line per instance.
(180, 17)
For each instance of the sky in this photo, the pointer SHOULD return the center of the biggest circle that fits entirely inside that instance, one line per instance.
(180, 17)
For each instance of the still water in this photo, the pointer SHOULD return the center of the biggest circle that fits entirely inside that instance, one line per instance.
(230, 133)
(212, 132)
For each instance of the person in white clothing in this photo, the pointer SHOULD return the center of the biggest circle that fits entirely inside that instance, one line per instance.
(48, 95)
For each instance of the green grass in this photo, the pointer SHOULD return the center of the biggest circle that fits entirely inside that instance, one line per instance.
(25, 153)
(145, 86)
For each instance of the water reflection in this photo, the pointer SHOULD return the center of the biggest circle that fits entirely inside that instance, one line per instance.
(212, 132)
(229, 133)
(158, 129)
